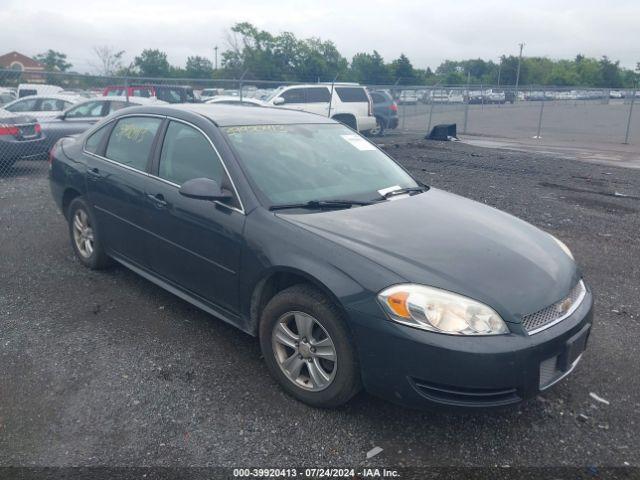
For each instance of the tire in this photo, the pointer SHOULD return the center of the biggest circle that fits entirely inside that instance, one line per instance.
(84, 231)
(300, 303)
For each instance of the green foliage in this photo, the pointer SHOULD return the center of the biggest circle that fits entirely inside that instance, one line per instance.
(258, 54)
(53, 61)
(153, 63)
(198, 67)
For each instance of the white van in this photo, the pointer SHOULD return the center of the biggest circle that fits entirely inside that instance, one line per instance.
(27, 89)
(350, 103)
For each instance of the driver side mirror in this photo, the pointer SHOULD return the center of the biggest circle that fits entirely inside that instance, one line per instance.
(204, 189)
(62, 116)
(278, 101)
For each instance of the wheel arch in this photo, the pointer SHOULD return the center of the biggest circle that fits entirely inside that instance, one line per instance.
(349, 119)
(69, 194)
(278, 279)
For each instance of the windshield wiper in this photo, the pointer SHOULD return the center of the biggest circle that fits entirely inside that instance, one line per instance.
(320, 204)
(401, 191)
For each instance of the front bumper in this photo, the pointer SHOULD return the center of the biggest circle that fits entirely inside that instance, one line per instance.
(418, 368)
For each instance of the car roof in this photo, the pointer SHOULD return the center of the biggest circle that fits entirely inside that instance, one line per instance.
(234, 98)
(57, 96)
(130, 99)
(234, 115)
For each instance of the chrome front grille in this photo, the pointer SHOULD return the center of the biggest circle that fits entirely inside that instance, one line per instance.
(542, 319)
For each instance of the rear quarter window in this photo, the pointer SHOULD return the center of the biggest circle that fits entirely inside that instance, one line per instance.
(95, 140)
(352, 94)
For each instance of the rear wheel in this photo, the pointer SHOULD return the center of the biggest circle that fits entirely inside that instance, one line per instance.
(84, 233)
(307, 347)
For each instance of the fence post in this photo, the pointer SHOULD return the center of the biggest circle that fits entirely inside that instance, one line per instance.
(633, 99)
(542, 102)
(430, 113)
(466, 106)
(126, 88)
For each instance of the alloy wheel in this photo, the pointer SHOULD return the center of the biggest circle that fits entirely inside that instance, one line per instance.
(304, 351)
(83, 233)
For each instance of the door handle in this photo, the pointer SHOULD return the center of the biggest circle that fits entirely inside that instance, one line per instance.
(158, 200)
(94, 172)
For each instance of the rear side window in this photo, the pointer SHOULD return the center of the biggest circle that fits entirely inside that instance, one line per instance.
(115, 105)
(141, 92)
(130, 141)
(187, 154)
(95, 140)
(318, 95)
(28, 105)
(27, 92)
(352, 94)
(52, 105)
(377, 98)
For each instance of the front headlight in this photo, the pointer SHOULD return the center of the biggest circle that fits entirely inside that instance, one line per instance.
(440, 311)
(564, 247)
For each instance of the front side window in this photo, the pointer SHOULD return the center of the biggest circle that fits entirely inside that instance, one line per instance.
(294, 95)
(87, 109)
(130, 141)
(301, 163)
(187, 154)
(27, 105)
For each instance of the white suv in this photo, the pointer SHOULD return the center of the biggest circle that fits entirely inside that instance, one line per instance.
(349, 104)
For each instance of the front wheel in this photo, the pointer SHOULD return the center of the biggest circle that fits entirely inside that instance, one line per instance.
(85, 237)
(307, 347)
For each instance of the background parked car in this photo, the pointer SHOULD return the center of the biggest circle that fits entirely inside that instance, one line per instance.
(166, 93)
(350, 103)
(385, 109)
(208, 93)
(408, 97)
(27, 89)
(42, 106)
(20, 137)
(83, 115)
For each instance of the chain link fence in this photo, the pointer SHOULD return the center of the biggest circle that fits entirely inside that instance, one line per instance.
(38, 108)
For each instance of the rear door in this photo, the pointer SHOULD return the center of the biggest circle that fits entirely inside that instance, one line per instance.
(116, 176)
(354, 99)
(195, 243)
(317, 100)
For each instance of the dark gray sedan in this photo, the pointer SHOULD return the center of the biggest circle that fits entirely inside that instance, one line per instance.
(352, 273)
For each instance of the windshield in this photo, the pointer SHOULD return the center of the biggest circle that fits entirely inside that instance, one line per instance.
(302, 163)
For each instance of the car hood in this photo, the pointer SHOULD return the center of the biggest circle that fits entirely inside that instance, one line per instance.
(447, 241)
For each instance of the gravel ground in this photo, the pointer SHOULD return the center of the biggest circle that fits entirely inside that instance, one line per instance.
(108, 369)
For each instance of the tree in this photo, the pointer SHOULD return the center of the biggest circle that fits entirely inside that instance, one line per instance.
(370, 68)
(610, 73)
(402, 69)
(109, 60)
(53, 61)
(198, 67)
(152, 63)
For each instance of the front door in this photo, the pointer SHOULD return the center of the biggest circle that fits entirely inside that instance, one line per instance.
(195, 243)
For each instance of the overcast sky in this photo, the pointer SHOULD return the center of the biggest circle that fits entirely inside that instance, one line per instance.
(427, 32)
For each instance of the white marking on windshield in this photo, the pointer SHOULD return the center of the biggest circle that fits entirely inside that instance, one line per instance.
(358, 142)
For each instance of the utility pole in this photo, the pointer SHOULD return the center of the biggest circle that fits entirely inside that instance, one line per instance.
(499, 69)
(215, 49)
(518, 72)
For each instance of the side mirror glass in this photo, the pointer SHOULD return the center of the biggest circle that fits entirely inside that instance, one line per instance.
(278, 101)
(204, 189)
